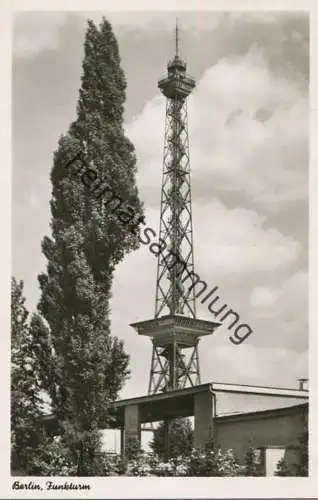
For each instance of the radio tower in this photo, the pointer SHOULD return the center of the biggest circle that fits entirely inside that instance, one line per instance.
(175, 331)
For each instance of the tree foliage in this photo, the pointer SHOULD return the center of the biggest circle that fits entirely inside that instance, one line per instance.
(82, 365)
(299, 469)
(302, 469)
(26, 405)
(180, 439)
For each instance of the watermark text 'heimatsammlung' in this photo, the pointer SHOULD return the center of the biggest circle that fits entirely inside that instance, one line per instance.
(127, 215)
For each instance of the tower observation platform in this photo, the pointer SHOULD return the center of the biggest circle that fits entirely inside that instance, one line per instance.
(177, 85)
(175, 330)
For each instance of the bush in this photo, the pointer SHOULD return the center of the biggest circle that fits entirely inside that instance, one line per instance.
(302, 469)
(213, 463)
(252, 466)
(199, 463)
(53, 459)
(133, 449)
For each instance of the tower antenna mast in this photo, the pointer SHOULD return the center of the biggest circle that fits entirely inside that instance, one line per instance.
(177, 38)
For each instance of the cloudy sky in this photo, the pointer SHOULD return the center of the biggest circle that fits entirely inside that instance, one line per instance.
(249, 156)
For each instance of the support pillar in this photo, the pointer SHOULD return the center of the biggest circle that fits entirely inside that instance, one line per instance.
(122, 440)
(203, 419)
(132, 428)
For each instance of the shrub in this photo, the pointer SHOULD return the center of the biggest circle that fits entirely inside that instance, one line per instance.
(252, 466)
(53, 459)
(302, 468)
(283, 469)
(133, 449)
(200, 463)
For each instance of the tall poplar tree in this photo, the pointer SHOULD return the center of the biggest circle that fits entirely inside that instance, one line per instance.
(82, 365)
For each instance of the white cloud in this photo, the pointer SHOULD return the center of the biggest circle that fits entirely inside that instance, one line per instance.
(273, 354)
(34, 31)
(33, 199)
(263, 297)
(146, 131)
(260, 152)
(253, 365)
(279, 314)
(238, 242)
(38, 31)
(158, 20)
(290, 300)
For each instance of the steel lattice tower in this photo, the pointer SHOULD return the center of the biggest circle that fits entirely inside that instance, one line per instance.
(176, 213)
(175, 331)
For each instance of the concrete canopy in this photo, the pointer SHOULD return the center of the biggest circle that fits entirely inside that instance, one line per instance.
(157, 407)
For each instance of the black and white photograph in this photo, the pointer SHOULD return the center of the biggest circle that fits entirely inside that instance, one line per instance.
(160, 247)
